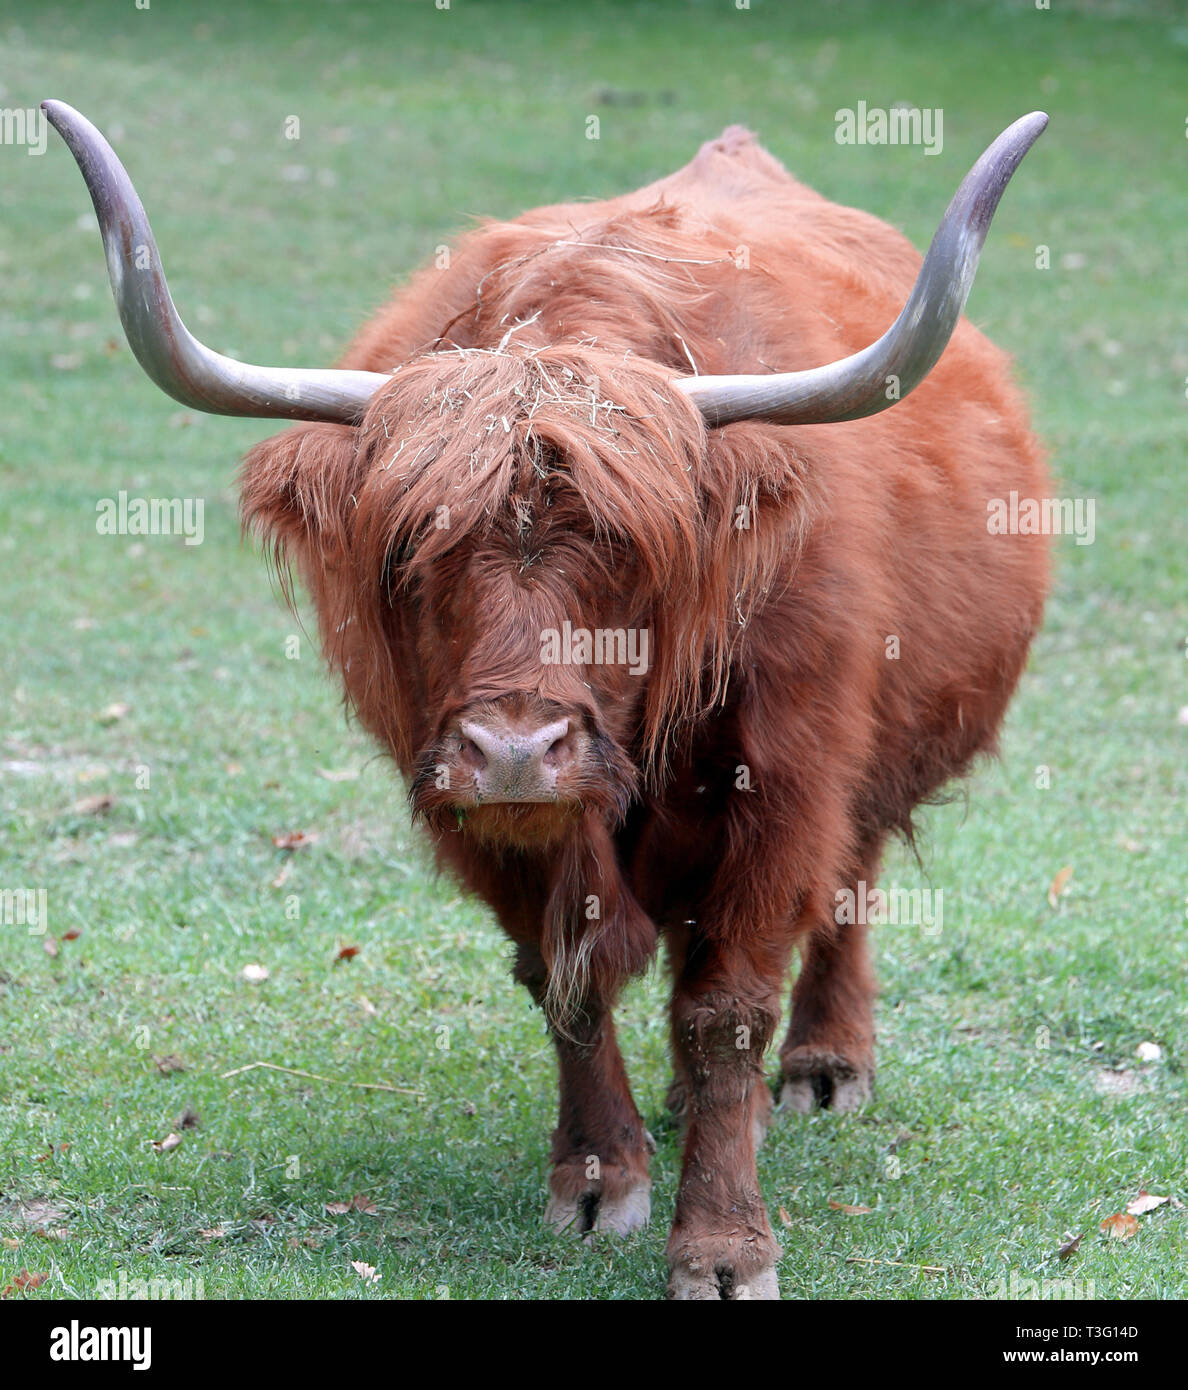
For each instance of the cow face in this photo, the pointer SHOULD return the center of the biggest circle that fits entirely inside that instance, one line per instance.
(508, 559)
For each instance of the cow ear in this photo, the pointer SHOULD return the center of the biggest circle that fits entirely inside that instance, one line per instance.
(297, 493)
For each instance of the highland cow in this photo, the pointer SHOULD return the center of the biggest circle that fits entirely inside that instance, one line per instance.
(667, 583)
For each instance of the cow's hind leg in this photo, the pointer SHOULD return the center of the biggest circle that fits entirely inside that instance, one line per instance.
(599, 1180)
(827, 1058)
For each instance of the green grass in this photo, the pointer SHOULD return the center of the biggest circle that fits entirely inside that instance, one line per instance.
(983, 1147)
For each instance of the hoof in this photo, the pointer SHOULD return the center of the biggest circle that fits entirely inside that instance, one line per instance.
(696, 1282)
(592, 1211)
(823, 1081)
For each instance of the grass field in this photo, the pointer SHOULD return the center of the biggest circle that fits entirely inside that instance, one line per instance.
(1012, 1110)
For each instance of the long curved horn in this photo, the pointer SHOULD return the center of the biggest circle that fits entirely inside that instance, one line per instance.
(857, 385)
(164, 347)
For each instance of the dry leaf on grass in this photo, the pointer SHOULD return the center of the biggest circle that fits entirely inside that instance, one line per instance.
(1071, 1246)
(1144, 1202)
(72, 935)
(366, 1272)
(114, 712)
(359, 1202)
(163, 1146)
(850, 1210)
(50, 946)
(347, 774)
(1120, 1226)
(255, 974)
(296, 839)
(22, 1283)
(785, 1219)
(1148, 1052)
(1059, 884)
(94, 805)
(169, 1064)
(347, 953)
(213, 1233)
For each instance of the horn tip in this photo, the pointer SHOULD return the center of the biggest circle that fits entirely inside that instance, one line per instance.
(1033, 124)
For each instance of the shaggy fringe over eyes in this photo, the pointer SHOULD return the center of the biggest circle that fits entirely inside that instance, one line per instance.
(463, 443)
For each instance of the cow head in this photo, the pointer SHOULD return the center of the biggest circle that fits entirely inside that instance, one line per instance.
(514, 559)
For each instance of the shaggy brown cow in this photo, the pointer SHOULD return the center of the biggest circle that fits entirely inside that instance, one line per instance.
(625, 623)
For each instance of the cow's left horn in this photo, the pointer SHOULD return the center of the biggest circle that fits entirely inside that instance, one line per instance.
(859, 385)
(168, 352)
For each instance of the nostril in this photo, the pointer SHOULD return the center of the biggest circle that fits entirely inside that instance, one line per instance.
(559, 751)
(470, 753)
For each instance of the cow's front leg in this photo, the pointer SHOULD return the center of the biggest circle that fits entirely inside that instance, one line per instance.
(599, 1180)
(724, 1014)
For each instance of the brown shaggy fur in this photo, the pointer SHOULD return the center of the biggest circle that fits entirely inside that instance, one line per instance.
(530, 463)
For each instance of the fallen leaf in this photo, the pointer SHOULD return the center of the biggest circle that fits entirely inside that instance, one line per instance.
(1120, 1226)
(347, 953)
(255, 974)
(114, 712)
(283, 877)
(94, 805)
(850, 1211)
(1059, 884)
(347, 774)
(23, 1282)
(359, 1202)
(367, 1006)
(1144, 1202)
(163, 1146)
(189, 1119)
(10, 1242)
(785, 1219)
(168, 1064)
(50, 946)
(1071, 1246)
(295, 839)
(213, 1233)
(364, 1271)
(72, 935)
(1148, 1052)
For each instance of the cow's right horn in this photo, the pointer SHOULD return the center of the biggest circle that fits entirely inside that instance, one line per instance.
(168, 352)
